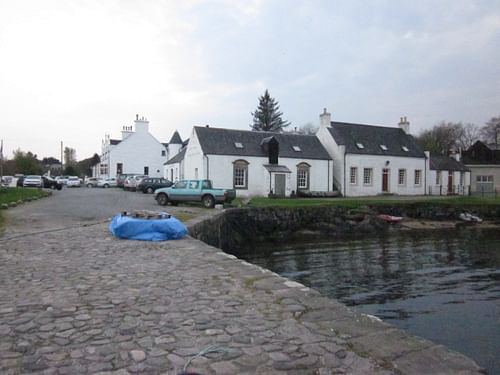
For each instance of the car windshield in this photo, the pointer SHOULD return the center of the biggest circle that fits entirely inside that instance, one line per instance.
(73, 178)
(35, 177)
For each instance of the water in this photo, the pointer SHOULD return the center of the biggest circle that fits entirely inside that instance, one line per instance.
(443, 286)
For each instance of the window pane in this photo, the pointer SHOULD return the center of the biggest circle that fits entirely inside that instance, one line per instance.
(367, 176)
(354, 175)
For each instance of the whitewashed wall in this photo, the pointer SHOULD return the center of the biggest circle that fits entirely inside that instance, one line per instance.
(173, 172)
(138, 150)
(377, 163)
(220, 168)
(437, 186)
(336, 152)
(193, 159)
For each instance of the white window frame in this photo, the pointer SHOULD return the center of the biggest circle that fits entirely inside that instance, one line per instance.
(418, 177)
(401, 177)
(367, 176)
(240, 174)
(353, 175)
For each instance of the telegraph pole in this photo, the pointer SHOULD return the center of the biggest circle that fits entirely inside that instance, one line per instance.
(61, 158)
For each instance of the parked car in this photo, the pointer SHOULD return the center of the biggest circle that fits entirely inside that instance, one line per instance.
(150, 184)
(6, 180)
(50, 183)
(73, 181)
(20, 180)
(131, 182)
(92, 182)
(33, 181)
(194, 191)
(62, 179)
(107, 182)
(120, 179)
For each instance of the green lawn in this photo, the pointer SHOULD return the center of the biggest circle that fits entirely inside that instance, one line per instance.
(369, 201)
(8, 195)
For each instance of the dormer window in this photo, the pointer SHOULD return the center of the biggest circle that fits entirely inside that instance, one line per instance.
(404, 148)
(360, 145)
(296, 148)
(383, 147)
(238, 145)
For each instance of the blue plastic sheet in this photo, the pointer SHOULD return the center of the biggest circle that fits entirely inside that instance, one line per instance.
(127, 227)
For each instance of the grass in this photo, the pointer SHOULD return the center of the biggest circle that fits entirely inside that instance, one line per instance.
(369, 201)
(8, 195)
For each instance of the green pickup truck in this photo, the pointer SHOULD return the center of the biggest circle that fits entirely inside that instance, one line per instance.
(194, 191)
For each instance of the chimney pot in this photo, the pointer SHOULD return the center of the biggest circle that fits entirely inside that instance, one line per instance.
(137, 117)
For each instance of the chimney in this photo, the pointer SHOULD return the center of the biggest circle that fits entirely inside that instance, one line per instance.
(141, 125)
(404, 124)
(325, 119)
(126, 131)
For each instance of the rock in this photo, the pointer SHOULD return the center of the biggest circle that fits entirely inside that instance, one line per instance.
(137, 355)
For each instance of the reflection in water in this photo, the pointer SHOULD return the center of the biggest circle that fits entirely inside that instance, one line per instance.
(443, 286)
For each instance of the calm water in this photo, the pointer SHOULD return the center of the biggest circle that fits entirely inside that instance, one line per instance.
(444, 286)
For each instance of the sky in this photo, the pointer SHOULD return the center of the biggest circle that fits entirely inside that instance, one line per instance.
(73, 71)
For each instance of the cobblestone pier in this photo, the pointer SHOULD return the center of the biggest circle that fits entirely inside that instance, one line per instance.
(79, 301)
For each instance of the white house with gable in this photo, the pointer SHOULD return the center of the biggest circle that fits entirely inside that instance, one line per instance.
(371, 160)
(137, 152)
(258, 163)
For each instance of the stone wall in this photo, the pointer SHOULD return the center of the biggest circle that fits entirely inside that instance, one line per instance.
(240, 228)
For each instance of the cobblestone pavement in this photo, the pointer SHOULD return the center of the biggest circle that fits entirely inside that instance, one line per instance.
(79, 301)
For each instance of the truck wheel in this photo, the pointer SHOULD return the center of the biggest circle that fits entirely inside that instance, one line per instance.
(150, 190)
(208, 201)
(162, 199)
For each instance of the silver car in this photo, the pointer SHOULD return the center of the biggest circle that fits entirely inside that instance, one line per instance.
(33, 181)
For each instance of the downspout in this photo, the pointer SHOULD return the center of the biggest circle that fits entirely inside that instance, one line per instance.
(328, 184)
(345, 153)
(208, 166)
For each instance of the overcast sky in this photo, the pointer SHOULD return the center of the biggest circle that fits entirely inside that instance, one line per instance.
(74, 71)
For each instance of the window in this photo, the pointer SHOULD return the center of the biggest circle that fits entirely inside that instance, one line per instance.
(354, 175)
(360, 146)
(367, 176)
(240, 174)
(104, 169)
(402, 177)
(484, 179)
(119, 168)
(405, 149)
(146, 170)
(163, 153)
(438, 178)
(296, 148)
(194, 184)
(418, 177)
(238, 145)
(303, 176)
(383, 147)
(196, 173)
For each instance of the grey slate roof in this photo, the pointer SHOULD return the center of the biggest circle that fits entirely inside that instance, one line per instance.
(176, 138)
(446, 163)
(218, 141)
(177, 158)
(114, 142)
(371, 137)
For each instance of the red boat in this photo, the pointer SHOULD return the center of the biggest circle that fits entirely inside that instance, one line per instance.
(390, 219)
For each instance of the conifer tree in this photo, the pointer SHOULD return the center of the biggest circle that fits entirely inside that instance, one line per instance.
(267, 116)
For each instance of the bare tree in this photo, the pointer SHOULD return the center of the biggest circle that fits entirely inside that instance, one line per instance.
(447, 136)
(490, 132)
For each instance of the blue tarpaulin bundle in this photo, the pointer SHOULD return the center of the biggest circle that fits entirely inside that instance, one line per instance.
(127, 227)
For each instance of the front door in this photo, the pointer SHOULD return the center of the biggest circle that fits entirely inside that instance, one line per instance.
(450, 182)
(279, 184)
(385, 180)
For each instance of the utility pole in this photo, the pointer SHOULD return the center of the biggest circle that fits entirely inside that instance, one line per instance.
(62, 163)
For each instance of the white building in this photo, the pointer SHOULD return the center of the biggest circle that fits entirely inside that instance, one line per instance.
(136, 152)
(447, 175)
(174, 167)
(258, 163)
(371, 160)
